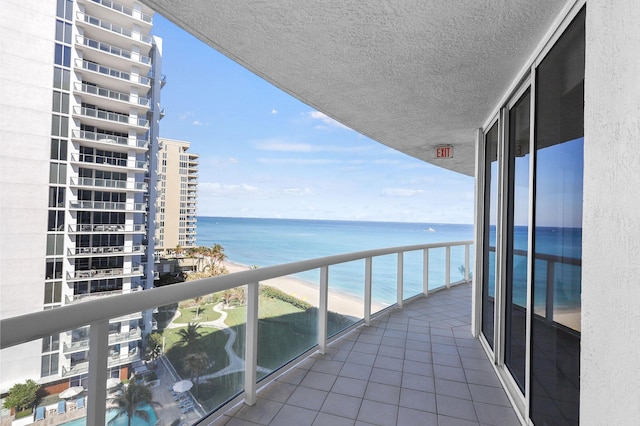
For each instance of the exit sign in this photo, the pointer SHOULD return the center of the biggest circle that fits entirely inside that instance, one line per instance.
(444, 151)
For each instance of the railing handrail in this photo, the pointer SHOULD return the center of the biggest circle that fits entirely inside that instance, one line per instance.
(27, 327)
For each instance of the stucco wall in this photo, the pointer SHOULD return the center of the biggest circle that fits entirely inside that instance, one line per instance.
(27, 29)
(610, 356)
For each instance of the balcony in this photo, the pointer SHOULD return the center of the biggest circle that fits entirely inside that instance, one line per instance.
(112, 32)
(83, 367)
(114, 75)
(101, 140)
(108, 183)
(114, 338)
(105, 97)
(110, 163)
(107, 229)
(108, 205)
(414, 362)
(97, 274)
(117, 57)
(117, 7)
(105, 251)
(112, 120)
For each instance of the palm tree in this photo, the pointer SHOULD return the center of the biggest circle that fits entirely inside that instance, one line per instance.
(196, 364)
(190, 335)
(132, 399)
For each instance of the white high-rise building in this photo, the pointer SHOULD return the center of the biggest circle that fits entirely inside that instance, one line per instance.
(79, 134)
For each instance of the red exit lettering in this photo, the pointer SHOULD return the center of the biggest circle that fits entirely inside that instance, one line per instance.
(444, 152)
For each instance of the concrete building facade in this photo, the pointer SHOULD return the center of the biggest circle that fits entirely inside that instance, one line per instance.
(177, 196)
(80, 110)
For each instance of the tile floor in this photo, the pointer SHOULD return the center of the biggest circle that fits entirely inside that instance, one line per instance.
(415, 366)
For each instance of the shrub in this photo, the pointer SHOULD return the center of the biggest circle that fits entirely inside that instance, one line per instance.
(22, 395)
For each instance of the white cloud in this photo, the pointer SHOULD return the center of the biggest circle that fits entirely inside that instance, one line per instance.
(274, 111)
(285, 146)
(326, 120)
(298, 191)
(297, 161)
(185, 115)
(401, 192)
(215, 189)
(197, 123)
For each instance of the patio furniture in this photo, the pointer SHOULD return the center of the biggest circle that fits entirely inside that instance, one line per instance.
(80, 403)
(39, 413)
(62, 407)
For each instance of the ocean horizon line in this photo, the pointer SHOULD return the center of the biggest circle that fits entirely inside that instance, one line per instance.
(332, 220)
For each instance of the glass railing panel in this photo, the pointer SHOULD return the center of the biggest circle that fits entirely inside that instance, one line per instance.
(346, 292)
(412, 276)
(199, 342)
(457, 268)
(436, 268)
(288, 320)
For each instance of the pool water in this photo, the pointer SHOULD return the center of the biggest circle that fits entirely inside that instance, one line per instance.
(121, 421)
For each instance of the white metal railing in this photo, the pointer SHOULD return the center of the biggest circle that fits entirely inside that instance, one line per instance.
(82, 344)
(109, 139)
(84, 366)
(103, 273)
(111, 116)
(110, 94)
(109, 183)
(97, 313)
(112, 72)
(124, 9)
(107, 205)
(111, 161)
(136, 228)
(79, 251)
(115, 28)
(114, 50)
(74, 298)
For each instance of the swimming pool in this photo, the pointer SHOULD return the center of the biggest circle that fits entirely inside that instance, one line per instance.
(121, 421)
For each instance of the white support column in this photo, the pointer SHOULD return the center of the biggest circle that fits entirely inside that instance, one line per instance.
(425, 272)
(447, 265)
(368, 266)
(400, 285)
(251, 345)
(322, 309)
(97, 382)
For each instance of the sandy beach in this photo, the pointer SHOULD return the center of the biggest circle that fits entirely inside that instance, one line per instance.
(339, 302)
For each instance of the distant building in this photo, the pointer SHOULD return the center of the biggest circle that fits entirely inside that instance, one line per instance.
(79, 83)
(177, 196)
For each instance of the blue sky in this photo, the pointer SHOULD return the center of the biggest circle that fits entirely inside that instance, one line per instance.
(265, 154)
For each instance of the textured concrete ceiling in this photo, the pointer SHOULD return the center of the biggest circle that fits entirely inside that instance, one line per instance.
(409, 74)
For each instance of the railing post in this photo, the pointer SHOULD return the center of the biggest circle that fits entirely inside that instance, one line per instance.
(466, 262)
(551, 272)
(400, 285)
(97, 381)
(425, 272)
(447, 265)
(368, 266)
(322, 309)
(251, 344)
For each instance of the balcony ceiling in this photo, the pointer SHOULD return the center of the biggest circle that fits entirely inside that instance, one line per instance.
(409, 74)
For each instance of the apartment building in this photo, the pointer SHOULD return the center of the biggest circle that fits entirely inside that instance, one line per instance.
(177, 196)
(81, 87)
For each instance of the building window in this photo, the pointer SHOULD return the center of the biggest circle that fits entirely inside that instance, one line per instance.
(62, 55)
(53, 269)
(55, 244)
(58, 149)
(56, 196)
(60, 102)
(61, 78)
(59, 125)
(65, 9)
(52, 292)
(49, 365)
(63, 32)
(57, 173)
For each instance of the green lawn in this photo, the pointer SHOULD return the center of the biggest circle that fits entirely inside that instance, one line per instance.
(188, 315)
(284, 332)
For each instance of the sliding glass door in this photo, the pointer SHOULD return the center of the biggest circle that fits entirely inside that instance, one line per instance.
(532, 234)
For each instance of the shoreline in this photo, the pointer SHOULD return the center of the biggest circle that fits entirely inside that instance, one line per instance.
(339, 302)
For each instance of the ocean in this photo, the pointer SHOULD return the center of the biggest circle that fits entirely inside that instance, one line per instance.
(266, 242)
